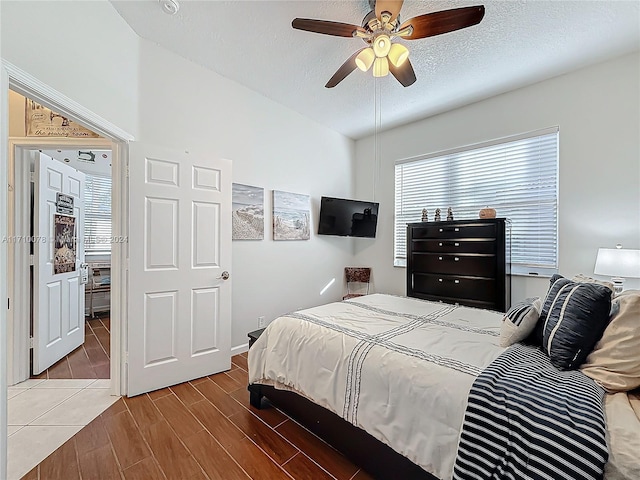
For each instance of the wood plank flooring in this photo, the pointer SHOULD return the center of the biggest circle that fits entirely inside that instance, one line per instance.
(90, 360)
(203, 429)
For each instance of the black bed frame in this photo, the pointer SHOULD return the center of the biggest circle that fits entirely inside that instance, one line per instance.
(377, 458)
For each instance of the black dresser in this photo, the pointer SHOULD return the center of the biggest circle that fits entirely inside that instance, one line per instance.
(463, 261)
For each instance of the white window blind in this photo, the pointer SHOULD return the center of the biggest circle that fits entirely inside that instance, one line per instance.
(97, 214)
(518, 177)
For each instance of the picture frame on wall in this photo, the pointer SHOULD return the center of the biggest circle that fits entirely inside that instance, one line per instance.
(40, 121)
(291, 216)
(247, 212)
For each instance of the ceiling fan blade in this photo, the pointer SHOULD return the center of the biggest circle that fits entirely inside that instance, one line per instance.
(346, 68)
(436, 23)
(404, 73)
(391, 6)
(325, 27)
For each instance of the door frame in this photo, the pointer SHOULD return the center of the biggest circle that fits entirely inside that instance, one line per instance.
(16, 79)
(18, 206)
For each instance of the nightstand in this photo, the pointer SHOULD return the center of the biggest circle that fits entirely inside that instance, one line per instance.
(253, 336)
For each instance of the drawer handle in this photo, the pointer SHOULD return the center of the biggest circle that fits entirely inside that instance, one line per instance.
(455, 281)
(456, 229)
(455, 244)
(456, 259)
(439, 258)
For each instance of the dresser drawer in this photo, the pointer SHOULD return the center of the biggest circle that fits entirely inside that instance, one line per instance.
(455, 231)
(480, 289)
(477, 265)
(454, 246)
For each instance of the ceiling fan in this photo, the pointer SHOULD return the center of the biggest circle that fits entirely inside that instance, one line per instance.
(380, 27)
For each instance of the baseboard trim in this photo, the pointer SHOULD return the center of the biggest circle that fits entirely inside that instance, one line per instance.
(240, 349)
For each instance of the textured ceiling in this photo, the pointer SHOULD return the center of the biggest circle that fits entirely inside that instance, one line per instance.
(516, 44)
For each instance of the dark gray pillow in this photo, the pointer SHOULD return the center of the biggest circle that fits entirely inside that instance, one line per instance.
(576, 315)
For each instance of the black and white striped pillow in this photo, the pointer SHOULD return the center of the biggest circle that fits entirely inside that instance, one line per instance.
(576, 315)
(519, 321)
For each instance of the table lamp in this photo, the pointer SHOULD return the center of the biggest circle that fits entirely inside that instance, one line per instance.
(618, 263)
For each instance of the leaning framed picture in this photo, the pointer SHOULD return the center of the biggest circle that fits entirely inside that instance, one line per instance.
(291, 216)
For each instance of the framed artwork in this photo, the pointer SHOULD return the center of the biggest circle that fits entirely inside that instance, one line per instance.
(42, 122)
(291, 216)
(247, 217)
(64, 248)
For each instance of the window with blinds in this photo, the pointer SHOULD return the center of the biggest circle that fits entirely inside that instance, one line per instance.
(97, 214)
(517, 176)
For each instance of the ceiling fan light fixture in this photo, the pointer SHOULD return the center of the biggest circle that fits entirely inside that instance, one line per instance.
(381, 67)
(365, 59)
(381, 45)
(398, 54)
(405, 32)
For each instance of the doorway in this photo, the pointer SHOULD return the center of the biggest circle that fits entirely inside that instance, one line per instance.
(90, 360)
(22, 282)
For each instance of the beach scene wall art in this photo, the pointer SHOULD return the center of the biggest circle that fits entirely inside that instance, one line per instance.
(291, 216)
(247, 212)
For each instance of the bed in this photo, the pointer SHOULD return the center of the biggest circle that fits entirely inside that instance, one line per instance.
(386, 380)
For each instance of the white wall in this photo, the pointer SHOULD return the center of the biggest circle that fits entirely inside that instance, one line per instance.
(84, 50)
(186, 106)
(598, 112)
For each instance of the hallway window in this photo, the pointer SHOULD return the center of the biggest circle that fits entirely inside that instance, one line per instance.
(97, 221)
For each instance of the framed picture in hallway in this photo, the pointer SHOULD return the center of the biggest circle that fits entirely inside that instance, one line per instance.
(64, 248)
(42, 122)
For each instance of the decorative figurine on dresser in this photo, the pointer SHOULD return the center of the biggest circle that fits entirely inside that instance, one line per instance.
(437, 217)
(466, 262)
(425, 215)
(449, 214)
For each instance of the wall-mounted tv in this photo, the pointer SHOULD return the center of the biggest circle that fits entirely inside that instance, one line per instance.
(348, 218)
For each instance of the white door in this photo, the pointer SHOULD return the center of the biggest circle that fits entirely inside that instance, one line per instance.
(58, 249)
(179, 315)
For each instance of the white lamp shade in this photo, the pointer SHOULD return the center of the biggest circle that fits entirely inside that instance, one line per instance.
(398, 54)
(381, 67)
(365, 59)
(381, 45)
(618, 262)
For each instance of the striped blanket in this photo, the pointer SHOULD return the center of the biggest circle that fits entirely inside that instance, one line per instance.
(527, 419)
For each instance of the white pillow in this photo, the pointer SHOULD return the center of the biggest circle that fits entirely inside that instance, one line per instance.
(519, 321)
(581, 278)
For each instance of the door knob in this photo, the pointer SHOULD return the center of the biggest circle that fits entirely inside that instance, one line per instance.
(224, 276)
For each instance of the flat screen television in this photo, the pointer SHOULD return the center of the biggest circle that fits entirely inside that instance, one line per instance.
(348, 218)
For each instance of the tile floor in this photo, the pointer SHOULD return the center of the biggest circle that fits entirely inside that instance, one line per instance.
(43, 414)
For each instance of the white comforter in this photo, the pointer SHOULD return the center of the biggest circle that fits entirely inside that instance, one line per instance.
(399, 368)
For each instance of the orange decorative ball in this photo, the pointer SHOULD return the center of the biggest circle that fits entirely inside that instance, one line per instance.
(488, 212)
